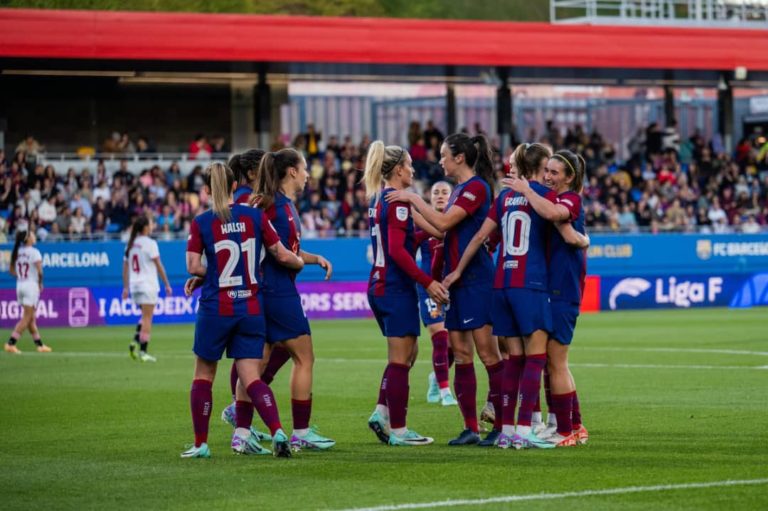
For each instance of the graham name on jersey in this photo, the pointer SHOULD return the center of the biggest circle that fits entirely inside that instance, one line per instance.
(518, 200)
(231, 227)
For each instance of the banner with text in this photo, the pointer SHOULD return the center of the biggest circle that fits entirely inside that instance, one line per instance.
(81, 306)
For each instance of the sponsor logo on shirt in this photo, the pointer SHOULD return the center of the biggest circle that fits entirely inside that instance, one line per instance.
(241, 293)
(469, 195)
(511, 265)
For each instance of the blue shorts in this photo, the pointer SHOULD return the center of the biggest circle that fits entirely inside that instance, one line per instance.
(518, 312)
(470, 308)
(396, 314)
(241, 336)
(564, 315)
(428, 310)
(285, 318)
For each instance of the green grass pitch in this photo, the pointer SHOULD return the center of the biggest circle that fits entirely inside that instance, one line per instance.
(669, 397)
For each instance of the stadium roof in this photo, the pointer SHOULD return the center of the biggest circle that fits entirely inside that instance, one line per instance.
(300, 45)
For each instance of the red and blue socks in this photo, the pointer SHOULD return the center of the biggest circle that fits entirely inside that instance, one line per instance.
(513, 370)
(495, 384)
(562, 407)
(397, 394)
(243, 414)
(440, 362)
(530, 385)
(465, 386)
(264, 402)
(201, 403)
(301, 410)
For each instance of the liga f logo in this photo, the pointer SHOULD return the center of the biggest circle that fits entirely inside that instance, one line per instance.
(704, 249)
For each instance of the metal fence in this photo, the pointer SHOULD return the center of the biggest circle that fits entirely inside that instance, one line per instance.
(752, 14)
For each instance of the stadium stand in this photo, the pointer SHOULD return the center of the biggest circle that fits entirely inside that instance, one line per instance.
(667, 184)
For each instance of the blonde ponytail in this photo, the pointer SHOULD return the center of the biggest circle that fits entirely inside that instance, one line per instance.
(380, 162)
(373, 161)
(220, 180)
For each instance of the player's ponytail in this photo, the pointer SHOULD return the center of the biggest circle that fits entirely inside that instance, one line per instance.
(272, 170)
(575, 166)
(220, 179)
(136, 228)
(484, 163)
(21, 237)
(528, 158)
(380, 162)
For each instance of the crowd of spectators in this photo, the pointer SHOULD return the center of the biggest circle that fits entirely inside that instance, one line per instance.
(667, 184)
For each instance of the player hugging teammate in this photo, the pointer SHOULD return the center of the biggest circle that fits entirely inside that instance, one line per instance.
(528, 305)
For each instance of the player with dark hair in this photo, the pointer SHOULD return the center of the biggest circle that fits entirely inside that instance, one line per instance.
(141, 267)
(27, 267)
(392, 288)
(230, 314)
(468, 319)
(564, 173)
(432, 315)
(245, 167)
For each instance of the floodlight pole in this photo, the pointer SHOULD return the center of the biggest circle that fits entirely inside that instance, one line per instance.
(725, 111)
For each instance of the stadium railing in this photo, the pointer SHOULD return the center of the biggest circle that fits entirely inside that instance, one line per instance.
(136, 163)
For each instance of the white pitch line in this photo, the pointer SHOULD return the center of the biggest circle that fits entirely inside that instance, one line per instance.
(188, 355)
(678, 350)
(564, 495)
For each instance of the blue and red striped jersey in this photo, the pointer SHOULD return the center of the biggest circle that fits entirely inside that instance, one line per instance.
(473, 196)
(232, 250)
(392, 238)
(568, 264)
(242, 194)
(276, 278)
(431, 254)
(522, 260)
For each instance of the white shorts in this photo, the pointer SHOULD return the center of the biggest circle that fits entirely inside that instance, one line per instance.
(28, 294)
(144, 296)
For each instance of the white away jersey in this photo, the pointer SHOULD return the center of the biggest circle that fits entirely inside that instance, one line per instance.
(26, 269)
(141, 265)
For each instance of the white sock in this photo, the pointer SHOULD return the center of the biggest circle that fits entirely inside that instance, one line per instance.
(243, 433)
(383, 411)
(551, 419)
(399, 431)
(523, 430)
(489, 406)
(508, 429)
(445, 392)
(536, 417)
(301, 432)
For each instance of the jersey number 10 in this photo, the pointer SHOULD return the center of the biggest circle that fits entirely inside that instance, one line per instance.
(516, 229)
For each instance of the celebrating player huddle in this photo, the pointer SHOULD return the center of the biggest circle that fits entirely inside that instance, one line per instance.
(520, 318)
(245, 253)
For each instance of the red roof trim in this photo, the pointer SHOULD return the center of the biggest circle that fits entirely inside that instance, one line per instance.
(31, 33)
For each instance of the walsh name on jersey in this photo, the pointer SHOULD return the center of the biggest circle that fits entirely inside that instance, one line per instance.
(232, 227)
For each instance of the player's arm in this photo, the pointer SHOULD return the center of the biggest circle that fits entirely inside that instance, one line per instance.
(474, 245)
(39, 266)
(125, 278)
(547, 209)
(441, 221)
(275, 247)
(397, 228)
(425, 226)
(195, 251)
(571, 236)
(163, 276)
(319, 260)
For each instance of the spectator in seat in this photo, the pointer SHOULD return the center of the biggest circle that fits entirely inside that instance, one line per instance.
(199, 148)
